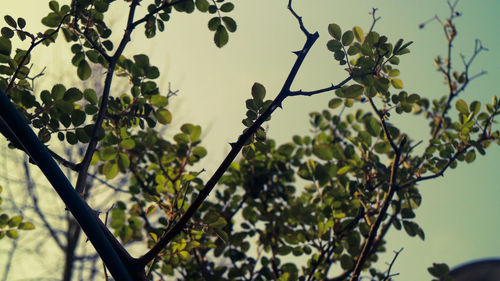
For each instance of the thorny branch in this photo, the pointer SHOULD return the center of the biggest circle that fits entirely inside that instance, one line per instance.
(235, 149)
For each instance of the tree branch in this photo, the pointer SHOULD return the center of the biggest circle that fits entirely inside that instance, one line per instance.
(365, 253)
(236, 147)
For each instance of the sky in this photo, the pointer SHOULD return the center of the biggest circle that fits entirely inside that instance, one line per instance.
(459, 211)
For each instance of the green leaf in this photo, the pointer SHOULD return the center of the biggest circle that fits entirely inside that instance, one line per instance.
(475, 107)
(221, 234)
(353, 91)
(370, 91)
(90, 96)
(5, 46)
(347, 38)
(229, 23)
(72, 95)
(26, 226)
(220, 223)
(227, 7)
(397, 83)
(15, 221)
(110, 169)
(334, 103)
(10, 21)
(83, 70)
(346, 262)
(214, 23)
(334, 45)
(117, 218)
(12, 234)
(323, 151)
(462, 107)
(202, 5)
(163, 116)
(199, 152)
(54, 6)
(141, 61)
(78, 117)
(358, 33)
(221, 37)
(159, 100)
(470, 156)
(394, 72)
(373, 127)
(335, 31)
(440, 270)
(343, 170)
(7, 32)
(108, 153)
(258, 91)
(123, 162)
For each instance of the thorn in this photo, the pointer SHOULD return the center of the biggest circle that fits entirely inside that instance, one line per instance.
(232, 144)
(297, 52)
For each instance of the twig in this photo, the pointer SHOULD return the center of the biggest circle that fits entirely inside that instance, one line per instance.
(365, 253)
(388, 274)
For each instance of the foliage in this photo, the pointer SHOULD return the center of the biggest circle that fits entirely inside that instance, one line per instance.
(328, 198)
(9, 225)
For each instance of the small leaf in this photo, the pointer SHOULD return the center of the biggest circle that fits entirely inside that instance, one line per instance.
(159, 101)
(10, 21)
(323, 151)
(227, 7)
(353, 91)
(78, 117)
(470, 156)
(90, 95)
(123, 162)
(258, 91)
(358, 33)
(334, 45)
(462, 107)
(335, 31)
(72, 95)
(440, 270)
(394, 72)
(221, 37)
(26, 226)
(214, 23)
(83, 70)
(373, 127)
(220, 223)
(110, 169)
(347, 38)
(475, 107)
(163, 116)
(15, 221)
(202, 5)
(108, 153)
(229, 23)
(343, 170)
(12, 234)
(199, 151)
(5, 46)
(334, 103)
(397, 83)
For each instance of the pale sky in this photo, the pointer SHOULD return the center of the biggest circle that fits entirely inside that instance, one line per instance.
(459, 213)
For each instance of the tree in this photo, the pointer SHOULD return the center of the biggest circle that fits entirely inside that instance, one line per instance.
(340, 216)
